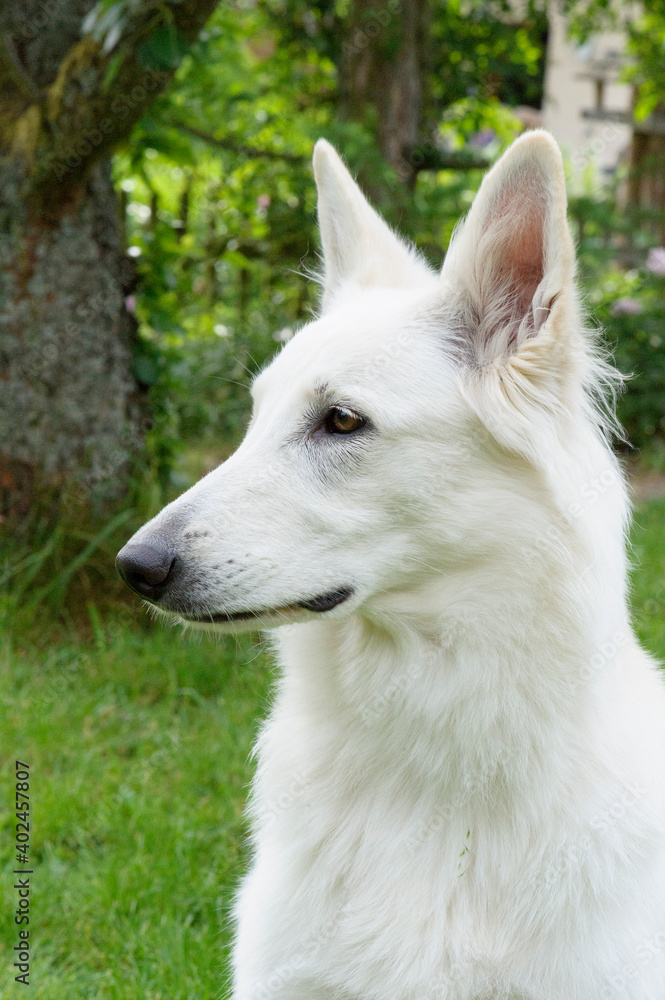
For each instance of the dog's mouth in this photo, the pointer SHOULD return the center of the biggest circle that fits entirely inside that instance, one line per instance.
(320, 604)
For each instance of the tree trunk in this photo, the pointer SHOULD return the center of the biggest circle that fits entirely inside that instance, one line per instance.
(69, 406)
(382, 72)
(71, 411)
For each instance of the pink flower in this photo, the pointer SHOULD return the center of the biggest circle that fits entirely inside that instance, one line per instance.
(130, 303)
(629, 307)
(656, 260)
(263, 201)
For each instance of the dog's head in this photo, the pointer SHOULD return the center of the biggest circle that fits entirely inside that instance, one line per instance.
(405, 433)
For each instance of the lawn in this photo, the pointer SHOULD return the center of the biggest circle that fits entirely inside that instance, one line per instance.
(138, 740)
(138, 749)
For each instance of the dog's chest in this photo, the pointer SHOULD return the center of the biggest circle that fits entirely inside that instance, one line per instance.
(378, 869)
(389, 879)
(387, 895)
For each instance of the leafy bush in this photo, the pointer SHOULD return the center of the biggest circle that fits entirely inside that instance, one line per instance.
(623, 274)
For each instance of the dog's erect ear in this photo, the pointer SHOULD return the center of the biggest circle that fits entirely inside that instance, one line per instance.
(511, 265)
(358, 246)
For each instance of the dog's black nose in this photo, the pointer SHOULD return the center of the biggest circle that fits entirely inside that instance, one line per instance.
(147, 569)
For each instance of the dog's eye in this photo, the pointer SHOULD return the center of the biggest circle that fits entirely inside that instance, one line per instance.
(342, 420)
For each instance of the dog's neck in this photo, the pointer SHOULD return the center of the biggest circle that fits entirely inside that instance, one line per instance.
(482, 696)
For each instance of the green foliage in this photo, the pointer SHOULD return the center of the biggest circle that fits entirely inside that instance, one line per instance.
(623, 276)
(640, 348)
(220, 224)
(480, 52)
(646, 44)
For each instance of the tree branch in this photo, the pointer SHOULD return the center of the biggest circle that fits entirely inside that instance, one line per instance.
(428, 157)
(253, 152)
(103, 87)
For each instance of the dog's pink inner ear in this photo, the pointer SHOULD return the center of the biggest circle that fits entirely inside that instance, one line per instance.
(514, 265)
(523, 262)
(513, 255)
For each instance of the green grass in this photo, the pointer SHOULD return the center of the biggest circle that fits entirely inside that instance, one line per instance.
(648, 590)
(138, 741)
(138, 748)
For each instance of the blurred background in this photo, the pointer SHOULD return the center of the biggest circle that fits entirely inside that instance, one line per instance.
(157, 226)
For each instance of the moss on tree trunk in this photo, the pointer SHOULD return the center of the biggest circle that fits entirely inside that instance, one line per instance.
(70, 409)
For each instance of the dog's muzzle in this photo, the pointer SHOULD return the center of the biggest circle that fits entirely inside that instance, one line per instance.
(155, 572)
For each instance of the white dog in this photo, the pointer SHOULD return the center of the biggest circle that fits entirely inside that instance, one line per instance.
(460, 790)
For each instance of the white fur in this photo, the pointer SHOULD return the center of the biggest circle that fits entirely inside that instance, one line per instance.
(460, 791)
